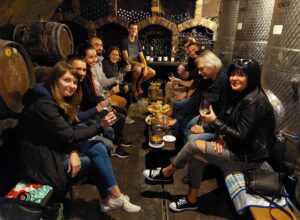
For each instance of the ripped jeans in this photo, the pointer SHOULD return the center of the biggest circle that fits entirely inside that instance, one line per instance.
(227, 161)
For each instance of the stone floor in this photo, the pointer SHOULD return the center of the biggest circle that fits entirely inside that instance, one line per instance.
(154, 199)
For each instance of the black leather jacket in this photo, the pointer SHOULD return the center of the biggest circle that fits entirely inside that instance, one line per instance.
(249, 127)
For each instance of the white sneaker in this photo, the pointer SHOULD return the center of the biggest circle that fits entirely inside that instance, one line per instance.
(104, 207)
(129, 120)
(123, 202)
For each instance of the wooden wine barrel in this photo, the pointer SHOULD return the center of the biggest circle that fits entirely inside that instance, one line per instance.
(16, 76)
(46, 41)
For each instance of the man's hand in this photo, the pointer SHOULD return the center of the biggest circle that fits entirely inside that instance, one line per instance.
(180, 68)
(127, 67)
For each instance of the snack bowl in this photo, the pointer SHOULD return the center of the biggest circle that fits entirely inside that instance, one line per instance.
(156, 139)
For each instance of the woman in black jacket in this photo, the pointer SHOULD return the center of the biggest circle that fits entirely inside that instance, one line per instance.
(111, 69)
(47, 133)
(247, 132)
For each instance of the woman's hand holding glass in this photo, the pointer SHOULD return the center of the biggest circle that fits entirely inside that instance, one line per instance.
(101, 105)
(207, 114)
(109, 119)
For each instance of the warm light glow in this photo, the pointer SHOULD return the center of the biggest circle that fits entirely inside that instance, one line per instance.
(7, 52)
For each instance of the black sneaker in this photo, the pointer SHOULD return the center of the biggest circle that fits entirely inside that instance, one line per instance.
(156, 175)
(119, 152)
(183, 204)
(125, 143)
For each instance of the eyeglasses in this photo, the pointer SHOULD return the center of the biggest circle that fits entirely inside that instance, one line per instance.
(242, 63)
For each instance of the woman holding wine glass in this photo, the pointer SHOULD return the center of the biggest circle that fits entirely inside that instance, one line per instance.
(113, 68)
(90, 99)
(247, 128)
(47, 132)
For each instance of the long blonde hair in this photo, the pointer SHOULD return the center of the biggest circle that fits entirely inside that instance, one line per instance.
(71, 104)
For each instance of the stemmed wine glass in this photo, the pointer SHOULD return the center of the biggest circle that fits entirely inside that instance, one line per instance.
(184, 61)
(108, 105)
(120, 76)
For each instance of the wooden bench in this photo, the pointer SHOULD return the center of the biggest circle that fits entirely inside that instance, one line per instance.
(264, 213)
(235, 186)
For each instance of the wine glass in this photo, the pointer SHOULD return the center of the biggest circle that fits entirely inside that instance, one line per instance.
(107, 100)
(170, 75)
(108, 105)
(122, 72)
(120, 76)
(185, 61)
(204, 107)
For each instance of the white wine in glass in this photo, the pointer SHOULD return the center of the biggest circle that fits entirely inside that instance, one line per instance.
(204, 106)
(120, 76)
(170, 75)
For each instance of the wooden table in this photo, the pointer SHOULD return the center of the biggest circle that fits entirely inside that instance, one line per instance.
(157, 157)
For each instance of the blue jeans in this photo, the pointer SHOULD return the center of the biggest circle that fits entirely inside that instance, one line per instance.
(187, 107)
(85, 163)
(188, 135)
(95, 154)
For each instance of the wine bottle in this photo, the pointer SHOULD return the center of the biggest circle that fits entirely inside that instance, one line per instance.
(173, 54)
(151, 54)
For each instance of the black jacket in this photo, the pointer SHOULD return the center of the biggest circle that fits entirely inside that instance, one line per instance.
(89, 97)
(45, 136)
(249, 127)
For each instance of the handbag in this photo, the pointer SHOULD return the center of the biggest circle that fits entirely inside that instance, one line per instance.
(266, 183)
(18, 209)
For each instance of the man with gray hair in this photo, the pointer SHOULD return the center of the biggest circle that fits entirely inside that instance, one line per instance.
(209, 79)
(214, 89)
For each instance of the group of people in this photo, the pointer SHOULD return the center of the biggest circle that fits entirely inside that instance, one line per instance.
(74, 120)
(235, 133)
